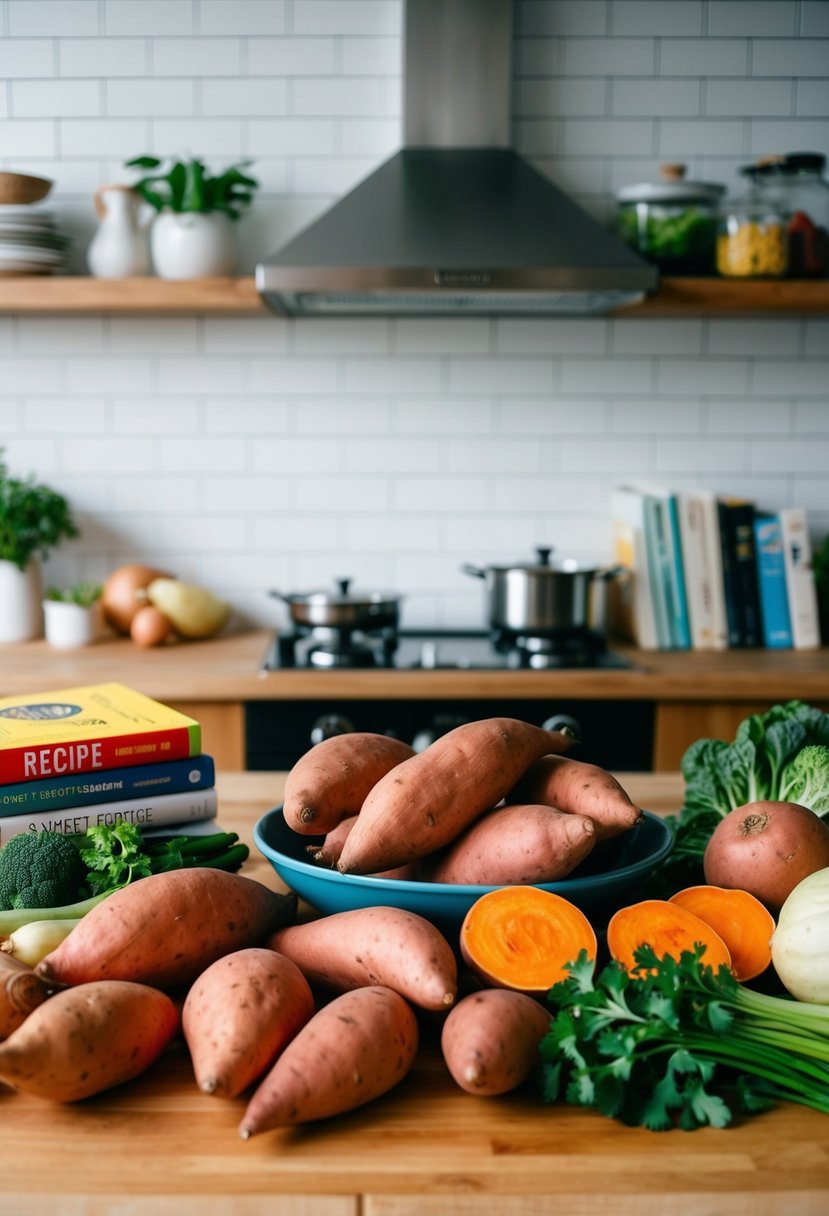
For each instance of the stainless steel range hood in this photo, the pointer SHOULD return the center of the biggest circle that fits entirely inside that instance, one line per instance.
(456, 223)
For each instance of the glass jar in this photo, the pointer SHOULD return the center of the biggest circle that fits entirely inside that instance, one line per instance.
(672, 222)
(796, 184)
(753, 239)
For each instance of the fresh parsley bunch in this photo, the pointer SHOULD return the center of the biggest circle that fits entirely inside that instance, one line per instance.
(676, 1044)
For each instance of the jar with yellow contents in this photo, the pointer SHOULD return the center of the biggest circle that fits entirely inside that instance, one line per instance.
(752, 240)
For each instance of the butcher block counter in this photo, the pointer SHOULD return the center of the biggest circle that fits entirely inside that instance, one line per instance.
(694, 693)
(159, 1147)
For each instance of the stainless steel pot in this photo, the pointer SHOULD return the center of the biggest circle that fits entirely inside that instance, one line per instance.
(537, 600)
(342, 609)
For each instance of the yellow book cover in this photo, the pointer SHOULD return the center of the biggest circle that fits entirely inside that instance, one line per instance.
(95, 726)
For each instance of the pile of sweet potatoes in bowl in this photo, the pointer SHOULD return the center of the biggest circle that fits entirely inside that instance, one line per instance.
(495, 802)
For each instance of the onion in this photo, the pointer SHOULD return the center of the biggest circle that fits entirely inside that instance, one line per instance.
(150, 627)
(119, 600)
(800, 943)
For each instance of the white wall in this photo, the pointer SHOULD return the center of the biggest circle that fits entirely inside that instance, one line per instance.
(250, 454)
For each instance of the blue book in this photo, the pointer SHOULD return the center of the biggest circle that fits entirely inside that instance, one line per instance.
(680, 622)
(107, 785)
(771, 583)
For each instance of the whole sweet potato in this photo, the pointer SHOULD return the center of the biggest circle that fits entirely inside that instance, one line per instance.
(378, 945)
(165, 929)
(514, 844)
(427, 801)
(354, 1049)
(331, 780)
(490, 1040)
(238, 1016)
(88, 1038)
(578, 789)
(21, 991)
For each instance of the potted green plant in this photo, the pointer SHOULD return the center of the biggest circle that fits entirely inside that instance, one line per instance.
(71, 614)
(33, 520)
(193, 234)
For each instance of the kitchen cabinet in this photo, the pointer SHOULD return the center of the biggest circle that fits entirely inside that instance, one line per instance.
(694, 694)
(424, 1149)
(239, 297)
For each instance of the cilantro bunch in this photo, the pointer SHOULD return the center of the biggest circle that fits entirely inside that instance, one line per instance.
(119, 855)
(676, 1044)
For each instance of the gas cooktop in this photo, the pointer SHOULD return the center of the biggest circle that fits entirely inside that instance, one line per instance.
(439, 649)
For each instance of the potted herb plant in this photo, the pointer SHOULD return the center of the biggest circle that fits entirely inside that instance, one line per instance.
(33, 520)
(193, 234)
(71, 615)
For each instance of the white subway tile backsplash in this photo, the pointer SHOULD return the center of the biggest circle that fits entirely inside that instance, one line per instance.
(257, 452)
(52, 18)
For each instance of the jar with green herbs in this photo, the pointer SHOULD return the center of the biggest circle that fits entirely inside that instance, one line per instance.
(672, 222)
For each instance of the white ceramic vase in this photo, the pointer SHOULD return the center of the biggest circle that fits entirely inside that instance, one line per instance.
(21, 616)
(69, 625)
(119, 248)
(193, 245)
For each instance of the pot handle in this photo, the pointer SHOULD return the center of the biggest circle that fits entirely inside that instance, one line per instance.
(474, 571)
(280, 595)
(609, 572)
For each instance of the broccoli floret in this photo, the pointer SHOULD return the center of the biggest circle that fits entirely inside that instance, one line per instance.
(806, 779)
(40, 870)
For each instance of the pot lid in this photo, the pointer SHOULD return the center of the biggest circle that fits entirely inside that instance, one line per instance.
(673, 188)
(341, 598)
(544, 565)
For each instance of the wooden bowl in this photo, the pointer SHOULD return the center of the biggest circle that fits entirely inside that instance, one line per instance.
(17, 188)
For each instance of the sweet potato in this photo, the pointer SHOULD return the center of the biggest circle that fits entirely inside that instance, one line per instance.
(490, 1040)
(239, 1015)
(165, 929)
(766, 848)
(87, 1039)
(578, 789)
(21, 991)
(328, 853)
(668, 928)
(514, 844)
(427, 801)
(379, 945)
(354, 1049)
(332, 779)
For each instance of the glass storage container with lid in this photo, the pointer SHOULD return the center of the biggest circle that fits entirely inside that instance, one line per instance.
(752, 241)
(672, 222)
(797, 185)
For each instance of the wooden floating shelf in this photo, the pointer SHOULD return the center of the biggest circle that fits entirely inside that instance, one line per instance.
(239, 297)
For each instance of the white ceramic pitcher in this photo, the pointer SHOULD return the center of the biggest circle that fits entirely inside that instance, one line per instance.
(119, 248)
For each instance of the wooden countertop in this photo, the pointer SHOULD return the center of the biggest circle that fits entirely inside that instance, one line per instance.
(227, 668)
(424, 1149)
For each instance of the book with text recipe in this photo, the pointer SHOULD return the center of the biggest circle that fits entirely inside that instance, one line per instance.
(95, 726)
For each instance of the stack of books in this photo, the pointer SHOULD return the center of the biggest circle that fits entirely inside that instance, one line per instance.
(92, 756)
(708, 572)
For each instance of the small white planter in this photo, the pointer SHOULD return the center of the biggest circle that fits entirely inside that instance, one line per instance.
(192, 245)
(70, 625)
(21, 618)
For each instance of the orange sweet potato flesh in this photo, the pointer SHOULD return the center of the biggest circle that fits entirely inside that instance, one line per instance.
(514, 844)
(428, 800)
(88, 1038)
(165, 929)
(331, 780)
(580, 789)
(667, 928)
(239, 1015)
(523, 938)
(490, 1040)
(377, 945)
(353, 1050)
(743, 923)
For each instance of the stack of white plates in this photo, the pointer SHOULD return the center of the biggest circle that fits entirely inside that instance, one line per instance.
(30, 242)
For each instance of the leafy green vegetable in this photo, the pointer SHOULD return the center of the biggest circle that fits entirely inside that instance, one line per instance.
(120, 855)
(676, 1044)
(764, 762)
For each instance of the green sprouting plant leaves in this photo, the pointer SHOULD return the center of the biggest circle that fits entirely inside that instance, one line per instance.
(189, 186)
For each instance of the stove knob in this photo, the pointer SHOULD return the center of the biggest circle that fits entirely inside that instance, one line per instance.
(329, 725)
(564, 722)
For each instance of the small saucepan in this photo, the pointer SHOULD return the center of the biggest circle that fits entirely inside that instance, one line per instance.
(546, 598)
(342, 609)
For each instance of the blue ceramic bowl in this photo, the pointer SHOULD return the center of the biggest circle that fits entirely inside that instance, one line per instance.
(605, 881)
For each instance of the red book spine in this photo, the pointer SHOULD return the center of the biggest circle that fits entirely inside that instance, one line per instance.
(24, 763)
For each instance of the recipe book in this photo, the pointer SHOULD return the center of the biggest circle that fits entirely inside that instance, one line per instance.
(95, 726)
(146, 813)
